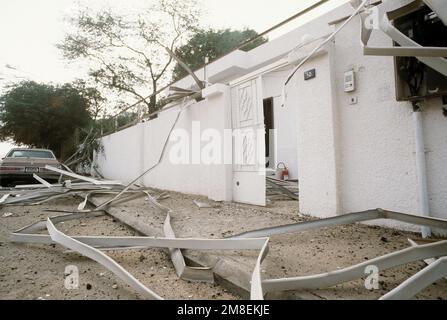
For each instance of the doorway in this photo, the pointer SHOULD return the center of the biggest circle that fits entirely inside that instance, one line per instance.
(278, 188)
(269, 124)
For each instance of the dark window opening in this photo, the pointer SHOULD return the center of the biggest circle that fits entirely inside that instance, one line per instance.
(269, 125)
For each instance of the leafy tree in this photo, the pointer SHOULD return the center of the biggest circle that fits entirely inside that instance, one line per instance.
(127, 52)
(97, 102)
(212, 44)
(108, 124)
(43, 116)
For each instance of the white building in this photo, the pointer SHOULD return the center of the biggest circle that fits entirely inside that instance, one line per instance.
(351, 151)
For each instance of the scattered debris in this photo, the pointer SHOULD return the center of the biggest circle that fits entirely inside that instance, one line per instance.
(4, 197)
(281, 188)
(7, 214)
(94, 247)
(428, 261)
(202, 205)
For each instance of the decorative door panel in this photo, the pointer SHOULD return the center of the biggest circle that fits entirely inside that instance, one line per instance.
(248, 143)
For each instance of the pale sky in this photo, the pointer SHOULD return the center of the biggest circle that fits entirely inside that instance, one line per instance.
(29, 30)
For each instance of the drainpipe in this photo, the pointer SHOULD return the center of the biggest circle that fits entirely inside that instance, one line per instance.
(421, 168)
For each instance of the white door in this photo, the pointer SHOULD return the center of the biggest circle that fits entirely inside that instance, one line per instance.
(248, 143)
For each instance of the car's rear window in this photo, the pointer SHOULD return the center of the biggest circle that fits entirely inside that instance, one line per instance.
(31, 154)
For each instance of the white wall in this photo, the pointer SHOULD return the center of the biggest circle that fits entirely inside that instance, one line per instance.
(377, 138)
(374, 146)
(121, 159)
(349, 157)
(436, 145)
(130, 152)
(316, 133)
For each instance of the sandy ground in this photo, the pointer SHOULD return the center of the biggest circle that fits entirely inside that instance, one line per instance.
(290, 255)
(37, 271)
(29, 271)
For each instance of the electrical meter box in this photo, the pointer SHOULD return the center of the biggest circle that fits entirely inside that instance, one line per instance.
(349, 81)
(414, 79)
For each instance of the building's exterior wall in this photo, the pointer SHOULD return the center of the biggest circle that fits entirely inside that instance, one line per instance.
(316, 147)
(350, 157)
(130, 152)
(377, 149)
(121, 156)
(375, 139)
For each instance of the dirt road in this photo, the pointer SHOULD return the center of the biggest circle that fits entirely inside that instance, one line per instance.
(37, 271)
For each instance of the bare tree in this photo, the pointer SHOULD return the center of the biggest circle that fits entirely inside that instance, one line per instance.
(127, 52)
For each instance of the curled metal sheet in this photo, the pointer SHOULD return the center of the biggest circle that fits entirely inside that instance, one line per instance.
(42, 181)
(345, 219)
(4, 197)
(332, 278)
(183, 271)
(92, 247)
(431, 56)
(101, 258)
(419, 281)
(77, 176)
(428, 260)
(256, 290)
(112, 243)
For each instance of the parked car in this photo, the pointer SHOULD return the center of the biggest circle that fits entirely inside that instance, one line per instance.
(19, 165)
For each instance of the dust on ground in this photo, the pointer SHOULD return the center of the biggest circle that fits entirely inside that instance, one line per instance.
(33, 271)
(37, 271)
(303, 253)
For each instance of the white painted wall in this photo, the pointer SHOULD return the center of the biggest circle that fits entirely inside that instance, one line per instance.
(374, 149)
(436, 145)
(349, 157)
(377, 136)
(317, 169)
(130, 152)
(121, 159)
